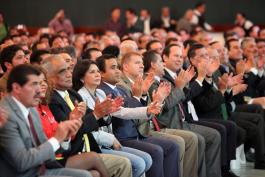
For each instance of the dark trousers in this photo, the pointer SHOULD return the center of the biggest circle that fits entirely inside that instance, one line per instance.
(228, 132)
(252, 108)
(254, 127)
(164, 154)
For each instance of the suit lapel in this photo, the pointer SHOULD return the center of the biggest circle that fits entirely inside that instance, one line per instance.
(18, 112)
(13, 105)
(126, 83)
(61, 101)
(37, 125)
(169, 78)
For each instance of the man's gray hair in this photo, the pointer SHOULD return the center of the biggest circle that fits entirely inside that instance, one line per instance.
(47, 64)
(245, 41)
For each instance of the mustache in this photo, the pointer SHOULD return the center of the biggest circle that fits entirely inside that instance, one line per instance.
(37, 95)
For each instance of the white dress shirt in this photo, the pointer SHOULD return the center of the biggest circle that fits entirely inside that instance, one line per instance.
(25, 111)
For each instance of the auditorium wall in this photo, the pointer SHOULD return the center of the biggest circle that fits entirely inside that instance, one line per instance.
(94, 12)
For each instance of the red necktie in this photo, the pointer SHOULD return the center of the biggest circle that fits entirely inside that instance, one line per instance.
(181, 115)
(154, 120)
(33, 131)
(35, 136)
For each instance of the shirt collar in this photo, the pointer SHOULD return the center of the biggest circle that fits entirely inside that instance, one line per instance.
(131, 81)
(110, 85)
(24, 110)
(197, 12)
(157, 78)
(171, 73)
(165, 18)
(61, 93)
(135, 20)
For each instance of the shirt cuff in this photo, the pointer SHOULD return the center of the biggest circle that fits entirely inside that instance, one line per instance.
(233, 105)
(55, 143)
(199, 82)
(254, 71)
(250, 101)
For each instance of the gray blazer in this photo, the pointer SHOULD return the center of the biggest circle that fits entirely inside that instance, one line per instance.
(20, 155)
(169, 117)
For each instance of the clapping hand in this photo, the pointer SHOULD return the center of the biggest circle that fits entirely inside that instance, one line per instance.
(137, 87)
(3, 117)
(184, 77)
(162, 92)
(240, 67)
(67, 129)
(222, 84)
(202, 70)
(79, 111)
(190, 73)
(147, 82)
(154, 108)
(239, 88)
(250, 63)
(260, 63)
(234, 80)
(117, 103)
(104, 108)
(213, 66)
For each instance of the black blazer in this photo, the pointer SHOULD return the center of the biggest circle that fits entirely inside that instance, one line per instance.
(61, 112)
(208, 102)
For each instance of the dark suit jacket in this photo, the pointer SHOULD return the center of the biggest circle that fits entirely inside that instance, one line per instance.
(123, 129)
(61, 112)
(208, 102)
(160, 24)
(137, 27)
(253, 81)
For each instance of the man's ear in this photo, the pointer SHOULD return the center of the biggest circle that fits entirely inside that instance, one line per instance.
(164, 58)
(52, 81)
(16, 88)
(152, 65)
(193, 62)
(102, 74)
(8, 65)
(125, 67)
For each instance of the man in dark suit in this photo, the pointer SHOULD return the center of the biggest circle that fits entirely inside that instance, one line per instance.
(198, 55)
(64, 100)
(165, 21)
(235, 101)
(25, 150)
(133, 23)
(163, 152)
(210, 103)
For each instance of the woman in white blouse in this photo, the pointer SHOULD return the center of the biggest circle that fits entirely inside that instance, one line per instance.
(86, 79)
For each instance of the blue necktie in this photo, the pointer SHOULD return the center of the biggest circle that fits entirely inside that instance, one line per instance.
(116, 92)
